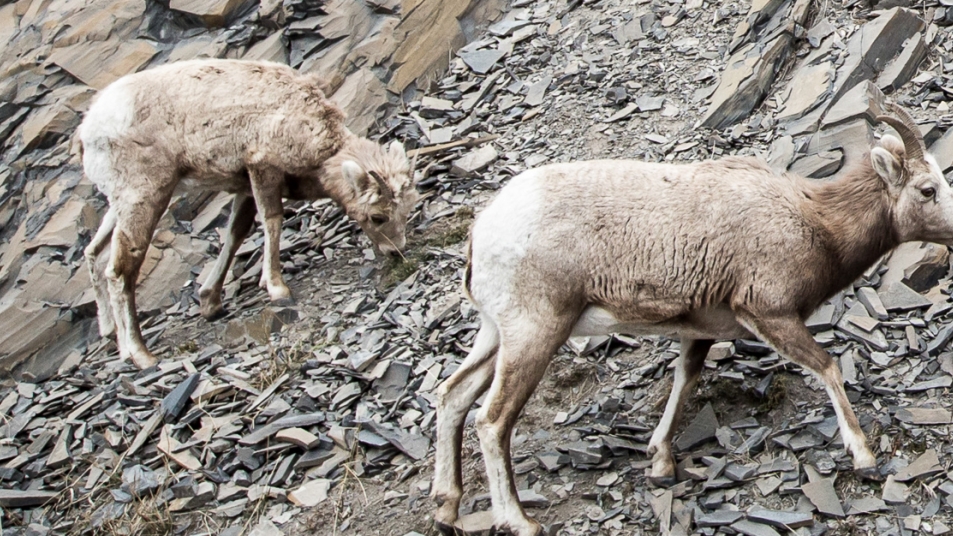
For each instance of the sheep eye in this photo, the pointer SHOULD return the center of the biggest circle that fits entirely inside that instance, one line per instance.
(928, 192)
(379, 219)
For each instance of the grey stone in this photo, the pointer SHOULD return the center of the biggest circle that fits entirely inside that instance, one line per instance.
(865, 100)
(414, 445)
(582, 453)
(894, 492)
(871, 301)
(174, 402)
(874, 45)
(481, 61)
(12, 498)
(926, 465)
(474, 161)
(902, 68)
(649, 104)
(392, 383)
(628, 110)
(552, 461)
(818, 165)
(264, 432)
(939, 343)
(935, 383)
(139, 480)
(822, 495)
(942, 150)
(808, 89)
(924, 416)
(701, 429)
(739, 473)
(534, 97)
(750, 528)
(874, 339)
(781, 519)
(744, 82)
(899, 297)
(822, 318)
(866, 505)
(718, 518)
(530, 499)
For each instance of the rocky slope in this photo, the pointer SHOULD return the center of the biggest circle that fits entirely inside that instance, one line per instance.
(318, 418)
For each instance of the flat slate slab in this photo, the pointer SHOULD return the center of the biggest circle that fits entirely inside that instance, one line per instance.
(924, 415)
(781, 519)
(899, 297)
(481, 61)
(12, 498)
(928, 464)
(701, 429)
(750, 528)
(822, 495)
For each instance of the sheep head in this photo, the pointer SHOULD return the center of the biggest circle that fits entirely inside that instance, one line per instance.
(384, 193)
(922, 198)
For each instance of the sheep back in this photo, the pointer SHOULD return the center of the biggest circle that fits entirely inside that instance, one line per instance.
(215, 118)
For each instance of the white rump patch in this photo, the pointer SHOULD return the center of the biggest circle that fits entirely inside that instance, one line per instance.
(110, 117)
(502, 236)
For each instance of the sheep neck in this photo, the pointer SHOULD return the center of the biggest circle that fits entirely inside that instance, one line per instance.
(855, 214)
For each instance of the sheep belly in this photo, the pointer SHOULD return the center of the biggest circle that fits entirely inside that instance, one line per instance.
(710, 323)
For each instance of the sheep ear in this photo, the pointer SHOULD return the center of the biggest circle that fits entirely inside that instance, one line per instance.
(887, 166)
(892, 144)
(397, 149)
(353, 175)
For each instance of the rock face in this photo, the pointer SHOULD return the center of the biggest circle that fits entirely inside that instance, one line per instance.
(289, 413)
(55, 55)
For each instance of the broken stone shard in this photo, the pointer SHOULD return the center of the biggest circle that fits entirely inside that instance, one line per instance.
(174, 402)
(701, 429)
(822, 495)
(900, 297)
(481, 61)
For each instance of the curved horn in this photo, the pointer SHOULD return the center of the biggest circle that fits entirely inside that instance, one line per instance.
(386, 192)
(906, 126)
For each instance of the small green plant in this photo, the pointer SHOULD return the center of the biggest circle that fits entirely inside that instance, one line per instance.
(396, 270)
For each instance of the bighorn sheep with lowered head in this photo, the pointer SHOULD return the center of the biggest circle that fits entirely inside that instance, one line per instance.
(714, 250)
(259, 130)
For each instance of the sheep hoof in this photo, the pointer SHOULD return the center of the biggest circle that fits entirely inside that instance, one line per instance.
(144, 359)
(284, 302)
(444, 528)
(869, 473)
(662, 481)
(214, 315)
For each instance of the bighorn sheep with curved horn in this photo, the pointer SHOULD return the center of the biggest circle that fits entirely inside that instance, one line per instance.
(713, 250)
(259, 130)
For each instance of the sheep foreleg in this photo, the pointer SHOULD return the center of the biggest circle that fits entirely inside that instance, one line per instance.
(266, 187)
(239, 223)
(688, 367)
(791, 339)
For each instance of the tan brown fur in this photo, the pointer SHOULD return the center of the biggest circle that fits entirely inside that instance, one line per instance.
(715, 250)
(255, 129)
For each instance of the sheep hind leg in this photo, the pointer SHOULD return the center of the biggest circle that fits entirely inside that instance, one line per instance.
(130, 241)
(521, 360)
(266, 188)
(455, 396)
(107, 323)
(688, 367)
(791, 339)
(239, 223)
